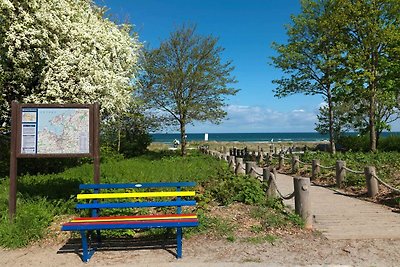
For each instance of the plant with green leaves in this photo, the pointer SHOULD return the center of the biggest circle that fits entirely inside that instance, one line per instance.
(186, 80)
(62, 51)
(311, 58)
(371, 32)
(128, 133)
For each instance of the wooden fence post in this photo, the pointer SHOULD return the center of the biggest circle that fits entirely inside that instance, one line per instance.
(258, 157)
(226, 157)
(232, 165)
(249, 166)
(239, 166)
(295, 163)
(271, 187)
(281, 161)
(340, 173)
(302, 200)
(315, 171)
(372, 182)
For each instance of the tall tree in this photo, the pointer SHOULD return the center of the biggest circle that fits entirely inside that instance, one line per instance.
(372, 35)
(128, 134)
(311, 58)
(60, 51)
(186, 79)
(340, 122)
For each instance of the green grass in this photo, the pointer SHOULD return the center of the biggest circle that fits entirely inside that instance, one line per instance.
(42, 197)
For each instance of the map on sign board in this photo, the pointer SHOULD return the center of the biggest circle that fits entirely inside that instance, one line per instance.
(55, 131)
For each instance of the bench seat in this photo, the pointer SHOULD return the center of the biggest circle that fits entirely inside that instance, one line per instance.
(131, 222)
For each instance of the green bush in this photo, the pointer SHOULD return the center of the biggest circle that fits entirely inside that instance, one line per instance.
(354, 143)
(228, 188)
(30, 223)
(389, 143)
(4, 155)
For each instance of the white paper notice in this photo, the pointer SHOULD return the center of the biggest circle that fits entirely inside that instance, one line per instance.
(28, 142)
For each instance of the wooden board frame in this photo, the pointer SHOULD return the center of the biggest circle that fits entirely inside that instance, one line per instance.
(90, 107)
(16, 135)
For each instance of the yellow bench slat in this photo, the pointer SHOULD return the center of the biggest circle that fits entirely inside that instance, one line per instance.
(100, 219)
(137, 195)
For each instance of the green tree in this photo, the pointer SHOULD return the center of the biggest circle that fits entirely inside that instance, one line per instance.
(62, 51)
(185, 80)
(371, 31)
(129, 133)
(340, 122)
(311, 59)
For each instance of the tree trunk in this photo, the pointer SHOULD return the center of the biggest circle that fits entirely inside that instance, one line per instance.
(183, 138)
(372, 85)
(119, 140)
(372, 131)
(331, 130)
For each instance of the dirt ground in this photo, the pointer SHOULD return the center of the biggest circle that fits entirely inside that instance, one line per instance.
(298, 250)
(291, 246)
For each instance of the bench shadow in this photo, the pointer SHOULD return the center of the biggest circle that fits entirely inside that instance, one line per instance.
(153, 242)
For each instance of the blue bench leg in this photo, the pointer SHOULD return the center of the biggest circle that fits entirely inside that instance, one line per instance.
(98, 237)
(85, 252)
(179, 242)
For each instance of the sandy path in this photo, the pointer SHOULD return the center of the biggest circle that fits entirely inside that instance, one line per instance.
(299, 250)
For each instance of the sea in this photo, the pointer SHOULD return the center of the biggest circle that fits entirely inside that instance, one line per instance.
(250, 137)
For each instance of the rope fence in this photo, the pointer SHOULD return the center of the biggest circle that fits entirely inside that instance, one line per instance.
(288, 196)
(385, 184)
(353, 171)
(301, 184)
(326, 167)
(240, 167)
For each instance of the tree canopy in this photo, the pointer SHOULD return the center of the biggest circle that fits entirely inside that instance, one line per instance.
(311, 57)
(349, 52)
(63, 51)
(185, 79)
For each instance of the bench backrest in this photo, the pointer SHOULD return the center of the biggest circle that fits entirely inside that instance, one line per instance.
(95, 196)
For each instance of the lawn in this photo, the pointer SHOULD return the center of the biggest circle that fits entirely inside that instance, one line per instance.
(43, 198)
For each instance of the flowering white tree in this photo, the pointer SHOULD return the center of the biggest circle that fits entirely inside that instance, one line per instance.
(65, 51)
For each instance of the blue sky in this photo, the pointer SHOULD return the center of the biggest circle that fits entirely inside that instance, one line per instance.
(246, 29)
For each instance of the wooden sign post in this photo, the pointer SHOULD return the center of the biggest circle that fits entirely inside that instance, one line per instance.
(52, 131)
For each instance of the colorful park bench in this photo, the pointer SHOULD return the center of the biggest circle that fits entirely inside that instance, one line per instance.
(117, 200)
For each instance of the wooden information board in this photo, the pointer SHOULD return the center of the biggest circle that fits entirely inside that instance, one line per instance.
(52, 130)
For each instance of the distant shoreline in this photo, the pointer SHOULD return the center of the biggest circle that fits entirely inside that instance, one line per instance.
(243, 137)
(266, 138)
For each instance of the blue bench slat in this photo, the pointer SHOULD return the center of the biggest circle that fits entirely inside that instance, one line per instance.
(136, 185)
(136, 204)
(92, 226)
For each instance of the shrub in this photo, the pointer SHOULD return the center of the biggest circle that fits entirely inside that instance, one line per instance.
(390, 143)
(30, 223)
(228, 188)
(354, 143)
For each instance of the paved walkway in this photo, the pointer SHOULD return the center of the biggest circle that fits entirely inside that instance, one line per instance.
(341, 217)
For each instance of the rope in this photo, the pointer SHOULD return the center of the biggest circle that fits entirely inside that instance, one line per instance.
(254, 170)
(288, 196)
(385, 184)
(353, 171)
(325, 167)
(302, 162)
